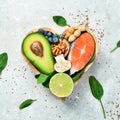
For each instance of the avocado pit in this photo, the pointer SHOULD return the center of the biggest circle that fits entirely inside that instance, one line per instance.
(37, 48)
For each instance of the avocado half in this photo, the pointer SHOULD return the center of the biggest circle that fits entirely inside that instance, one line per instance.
(37, 50)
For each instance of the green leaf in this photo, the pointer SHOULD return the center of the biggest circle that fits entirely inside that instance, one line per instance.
(118, 43)
(97, 91)
(60, 20)
(77, 75)
(26, 103)
(41, 78)
(37, 75)
(96, 88)
(46, 83)
(117, 46)
(44, 79)
(92, 59)
(3, 61)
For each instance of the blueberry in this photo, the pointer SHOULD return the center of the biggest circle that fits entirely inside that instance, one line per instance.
(55, 35)
(49, 34)
(41, 31)
(55, 40)
(45, 33)
(61, 36)
(50, 39)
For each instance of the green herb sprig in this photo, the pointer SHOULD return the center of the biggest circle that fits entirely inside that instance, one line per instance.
(97, 91)
(26, 103)
(3, 61)
(44, 79)
(60, 20)
(117, 46)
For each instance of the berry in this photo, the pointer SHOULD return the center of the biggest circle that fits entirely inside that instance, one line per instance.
(61, 36)
(55, 35)
(55, 40)
(41, 31)
(45, 33)
(50, 39)
(49, 34)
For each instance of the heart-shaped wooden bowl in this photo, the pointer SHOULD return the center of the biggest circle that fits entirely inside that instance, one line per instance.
(35, 70)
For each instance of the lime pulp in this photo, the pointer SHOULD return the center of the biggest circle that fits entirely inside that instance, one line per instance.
(61, 85)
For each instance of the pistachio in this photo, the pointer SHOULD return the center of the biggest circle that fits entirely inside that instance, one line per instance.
(61, 64)
(37, 48)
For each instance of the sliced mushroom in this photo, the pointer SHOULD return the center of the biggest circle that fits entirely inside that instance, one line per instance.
(62, 65)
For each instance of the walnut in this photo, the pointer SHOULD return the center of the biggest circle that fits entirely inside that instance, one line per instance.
(62, 47)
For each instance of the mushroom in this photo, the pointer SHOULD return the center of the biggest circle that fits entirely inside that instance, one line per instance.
(61, 64)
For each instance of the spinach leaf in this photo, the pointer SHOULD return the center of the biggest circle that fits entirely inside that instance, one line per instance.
(26, 103)
(97, 91)
(41, 78)
(60, 20)
(3, 61)
(46, 83)
(117, 46)
(77, 75)
(92, 59)
(44, 79)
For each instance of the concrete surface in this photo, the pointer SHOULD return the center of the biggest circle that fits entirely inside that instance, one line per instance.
(17, 82)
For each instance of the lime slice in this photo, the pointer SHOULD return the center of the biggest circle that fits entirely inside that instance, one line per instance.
(61, 85)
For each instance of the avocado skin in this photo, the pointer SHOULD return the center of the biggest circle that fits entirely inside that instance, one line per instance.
(45, 63)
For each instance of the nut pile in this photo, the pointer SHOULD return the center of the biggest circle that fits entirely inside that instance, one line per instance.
(60, 48)
(72, 33)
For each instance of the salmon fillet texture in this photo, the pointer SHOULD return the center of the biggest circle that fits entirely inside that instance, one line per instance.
(82, 51)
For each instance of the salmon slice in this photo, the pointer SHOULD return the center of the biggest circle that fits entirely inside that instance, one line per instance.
(81, 52)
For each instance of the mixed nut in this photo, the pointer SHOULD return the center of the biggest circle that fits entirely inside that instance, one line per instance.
(72, 33)
(61, 48)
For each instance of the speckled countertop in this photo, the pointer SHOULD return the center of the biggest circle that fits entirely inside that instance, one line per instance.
(17, 81)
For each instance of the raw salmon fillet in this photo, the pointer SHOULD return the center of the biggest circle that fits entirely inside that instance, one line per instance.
(81, 52)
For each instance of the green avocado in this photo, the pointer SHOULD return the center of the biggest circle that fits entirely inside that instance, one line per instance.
(37, 50)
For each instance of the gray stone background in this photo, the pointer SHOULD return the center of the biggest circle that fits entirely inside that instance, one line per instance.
(17, 82)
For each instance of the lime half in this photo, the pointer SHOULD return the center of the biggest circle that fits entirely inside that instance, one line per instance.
(61, 85)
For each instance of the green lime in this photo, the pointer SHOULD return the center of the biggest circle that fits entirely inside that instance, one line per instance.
(61, 85)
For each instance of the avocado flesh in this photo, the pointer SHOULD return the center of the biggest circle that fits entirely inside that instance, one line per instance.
(44, 63)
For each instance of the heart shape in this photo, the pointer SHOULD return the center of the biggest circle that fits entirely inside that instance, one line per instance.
(79, 46)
